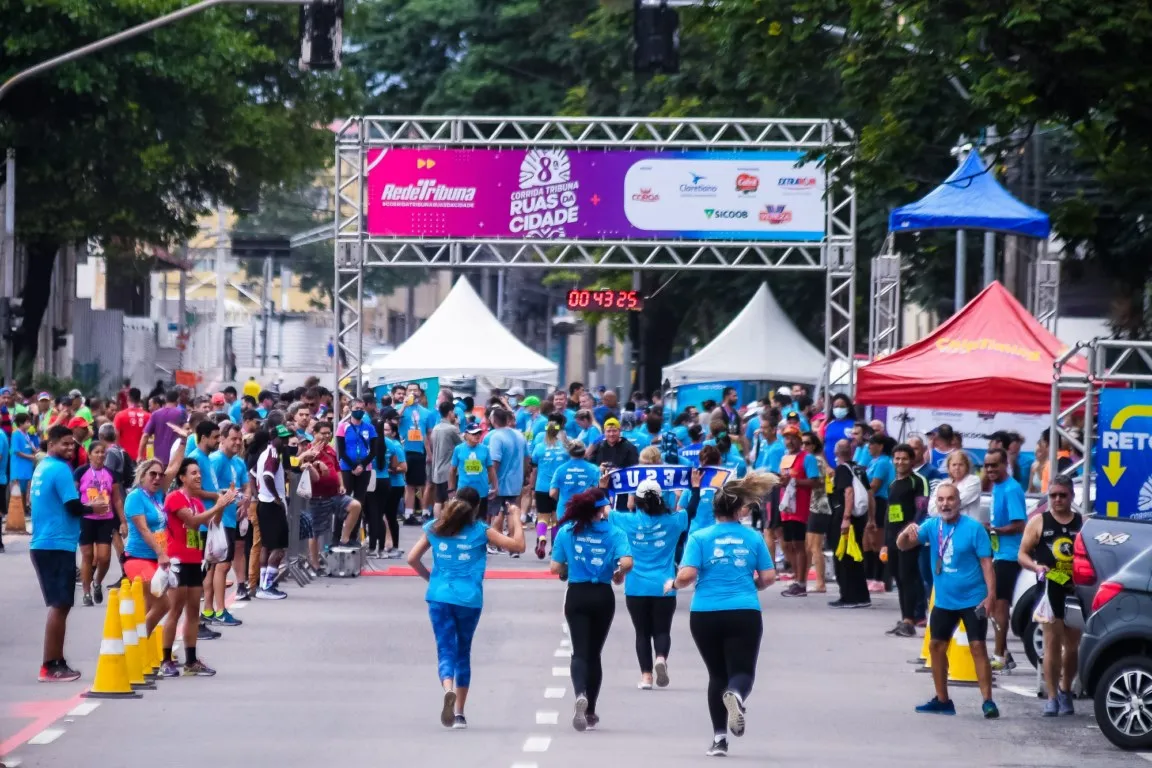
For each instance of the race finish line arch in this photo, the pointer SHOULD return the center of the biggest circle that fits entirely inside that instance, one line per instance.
(590, 194)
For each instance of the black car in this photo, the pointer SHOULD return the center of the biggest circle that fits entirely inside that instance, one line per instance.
(1112, 606)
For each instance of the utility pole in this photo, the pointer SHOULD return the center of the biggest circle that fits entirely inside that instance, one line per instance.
(221, 280)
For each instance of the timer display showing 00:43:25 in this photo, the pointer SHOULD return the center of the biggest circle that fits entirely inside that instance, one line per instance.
(583, 300)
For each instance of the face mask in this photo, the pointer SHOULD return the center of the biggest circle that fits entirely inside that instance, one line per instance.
(358, 414)
(288, 451)
(512, 401)
(839, 412)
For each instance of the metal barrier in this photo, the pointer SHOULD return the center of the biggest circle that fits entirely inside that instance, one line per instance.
(296, 558)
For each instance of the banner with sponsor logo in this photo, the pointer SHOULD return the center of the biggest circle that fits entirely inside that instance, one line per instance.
(594, 195)
(975, 427)
(671, 477)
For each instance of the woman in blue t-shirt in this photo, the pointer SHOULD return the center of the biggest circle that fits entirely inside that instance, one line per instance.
(146, 546)
(881, 473)
(729, 563)
(592, 555)
(547, 455)
(653, 533)
(455, 592)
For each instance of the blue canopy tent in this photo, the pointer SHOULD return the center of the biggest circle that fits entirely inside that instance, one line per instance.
(971, 198)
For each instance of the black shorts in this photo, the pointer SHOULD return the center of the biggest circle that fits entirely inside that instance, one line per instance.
(56, 571)
(417, 474)
(273, 525)
(774, 521)
(1007, 571)
(943, 622)
(441, 492)
(500, 503)
(191, 575)
(757, 514)
(97, 531)
(233, 534)
(794, 531)
(819, 523)
(545, 504)
(881, 513)
(1056, 596)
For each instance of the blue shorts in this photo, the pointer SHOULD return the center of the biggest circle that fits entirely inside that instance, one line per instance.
(56, 571)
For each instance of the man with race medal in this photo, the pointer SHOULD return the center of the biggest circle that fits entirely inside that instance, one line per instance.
(965, 586)
(1046, 550)
(907, 503)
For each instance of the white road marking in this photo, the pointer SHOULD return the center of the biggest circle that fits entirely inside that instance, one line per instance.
(563, 653)
(1146, 755)
(559, 671)
(84, 709)
(565, 642)
(547, 718)
(239, 605)
(553, 693)
(49, 735)
(1020, 690)
(537, 743)
(524, 765)
(564, 627)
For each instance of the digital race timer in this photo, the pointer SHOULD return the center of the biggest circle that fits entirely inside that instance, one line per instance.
(604, 300)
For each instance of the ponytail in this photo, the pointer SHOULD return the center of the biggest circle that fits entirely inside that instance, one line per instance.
(456, 514)
(753, 488)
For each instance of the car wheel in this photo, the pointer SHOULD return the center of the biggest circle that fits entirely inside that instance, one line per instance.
(1123, 703)
(1033, 638)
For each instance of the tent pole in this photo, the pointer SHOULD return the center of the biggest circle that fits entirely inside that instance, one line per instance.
(961, 247)
(989, 258)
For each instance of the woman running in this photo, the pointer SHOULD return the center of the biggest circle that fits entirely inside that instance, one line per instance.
(729, 564)
(96, 486)
(652, 535)
(185, 515)
(547, 456)
(455, 593)
(591, 554)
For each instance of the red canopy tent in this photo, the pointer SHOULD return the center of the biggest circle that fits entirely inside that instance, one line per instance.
(991, 356)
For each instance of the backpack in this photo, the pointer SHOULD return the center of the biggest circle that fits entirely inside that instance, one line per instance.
(860, 497)
(670, 448)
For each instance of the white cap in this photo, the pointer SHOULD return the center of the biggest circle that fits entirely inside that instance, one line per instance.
(516, 391)
(786, 391)
(648, 487)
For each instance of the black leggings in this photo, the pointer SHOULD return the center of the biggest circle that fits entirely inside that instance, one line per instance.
(389, 504)
(356, 486)
(589, 609)
(908, 581)
(374, 512)
(850, 574)
(652, 618)
(729, 642)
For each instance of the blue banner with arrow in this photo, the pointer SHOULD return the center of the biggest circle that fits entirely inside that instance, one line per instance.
(1124, 454)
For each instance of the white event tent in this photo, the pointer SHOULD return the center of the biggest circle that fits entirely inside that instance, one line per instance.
(463, 339)
(760, 344)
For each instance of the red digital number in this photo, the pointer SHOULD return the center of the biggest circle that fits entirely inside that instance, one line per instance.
(632, 300)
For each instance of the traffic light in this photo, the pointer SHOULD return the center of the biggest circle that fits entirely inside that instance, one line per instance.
(656, 30)
(11, 317)
(261, 247)
(58, 340)
(321, 34)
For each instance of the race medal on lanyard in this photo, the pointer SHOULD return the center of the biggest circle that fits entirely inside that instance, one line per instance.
(941, 546)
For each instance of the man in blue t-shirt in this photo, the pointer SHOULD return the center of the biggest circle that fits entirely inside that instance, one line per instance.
(472, 467)
(965, 585)
(509, 456)
(1009, 518)
(416, 438)
(56, 513)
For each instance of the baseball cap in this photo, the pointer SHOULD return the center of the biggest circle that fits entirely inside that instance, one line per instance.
(532, 400)
(44, 396)
(786, 391)
(791, 429)
(793, 414)
(5, 391)
(474, 430)
(516, 391)
(218, 398)
(283, 431)
(648, 488)
(77, 422)
(611, 423)
(75, 393)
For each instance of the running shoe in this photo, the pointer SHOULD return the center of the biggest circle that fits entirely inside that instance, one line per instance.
(514, 555)
(98, 593)
(990, 711)
(459, 723)
(580, 714)
(838, 603)
(1051, 708)
(206, 633)
(1065, 700)
(1003, 663)
(661, 670)
(867, 604)
(169, 669)
(242, 592)
(493, 551)
(86, 601)
(541, 546)
(58, 672)
(226, 619)
(593, 720)
(905, 630)
(937, 707)
(644, 685)
(719, 748)
(895, 630)
(208, 617)
(447, 717)
(735, 706)
(795, 590)
(270, 594)
(198, 669)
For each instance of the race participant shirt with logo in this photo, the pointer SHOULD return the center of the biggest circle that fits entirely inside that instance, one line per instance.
(592, 553)
(652, 539)
(458, 564)
(232, 471)
(472, 467)
(704, 516)
(95, 487)
(690, 454)
(53, 527)
(547, 460)
(907, 503)
(572, 477)
(1008, 506)
(1055, 548)
(358, 439)
(412, 428)
(956, 549)
(183, 542)
(725, 556)
(533, 427)
(151, 508)
(768, 454)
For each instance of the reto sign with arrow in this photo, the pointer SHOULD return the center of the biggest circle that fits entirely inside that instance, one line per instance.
(1124, 454)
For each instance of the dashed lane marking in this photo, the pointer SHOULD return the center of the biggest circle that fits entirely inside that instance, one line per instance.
(47, 736)
(547, 718)
(553, 693)
(86, 708)
(559, 671)
(537, 743)
(562, 653)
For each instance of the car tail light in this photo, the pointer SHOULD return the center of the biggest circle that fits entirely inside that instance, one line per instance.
(1083, 573)
(1106, 592)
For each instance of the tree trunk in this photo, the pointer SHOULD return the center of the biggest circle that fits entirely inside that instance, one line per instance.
(41, 259)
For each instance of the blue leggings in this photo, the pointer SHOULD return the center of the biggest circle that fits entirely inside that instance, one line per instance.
(454, 626)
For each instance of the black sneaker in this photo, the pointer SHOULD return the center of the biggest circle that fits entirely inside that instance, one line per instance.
(58, 672)
(459, 723)
(98, 593)
(242, 592)
(593, 720)
(906, 630)
(86, 601)
(206, 633)
(719, 748)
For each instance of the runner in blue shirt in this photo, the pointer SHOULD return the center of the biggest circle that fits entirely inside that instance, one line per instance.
(547, 456)
(1009, 518)
(653, 531)
(730, 564)
(472, 467)
(455, 593)
(416, 439)
(573, 476)
(690, 454)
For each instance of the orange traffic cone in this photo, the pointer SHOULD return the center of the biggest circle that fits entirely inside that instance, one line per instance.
(16, 521)
(148, 659)
(112, 668)
(961, 666)
(157, 641)
(131, 640)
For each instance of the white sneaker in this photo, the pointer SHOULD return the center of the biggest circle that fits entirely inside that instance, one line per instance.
(270, 594)
(661, 670)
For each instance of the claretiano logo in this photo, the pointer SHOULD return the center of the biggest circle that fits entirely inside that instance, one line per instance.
(698, 189)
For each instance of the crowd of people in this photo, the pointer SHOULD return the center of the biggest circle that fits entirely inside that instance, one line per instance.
(151, 478)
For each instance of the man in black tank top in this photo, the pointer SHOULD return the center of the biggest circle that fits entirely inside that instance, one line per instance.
(1046, 549)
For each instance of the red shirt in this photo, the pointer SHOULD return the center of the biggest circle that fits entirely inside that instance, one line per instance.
(129, 425)
(328, 484)
(803, 505)
(183, 542)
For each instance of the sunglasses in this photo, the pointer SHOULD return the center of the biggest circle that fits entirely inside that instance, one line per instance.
(805, 442)
(1058, 495)
(153, 473)
(992, 466)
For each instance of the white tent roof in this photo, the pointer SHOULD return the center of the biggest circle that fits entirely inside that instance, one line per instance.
(760, 344)
(463, 339)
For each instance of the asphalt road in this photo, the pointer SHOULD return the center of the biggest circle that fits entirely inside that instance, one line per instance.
(343, 673)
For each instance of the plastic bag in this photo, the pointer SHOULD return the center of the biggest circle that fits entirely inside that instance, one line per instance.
(216, 545)
(159, 584)
(304, 486)
(372, 481)
(1042, 613)
(848, 547)
(788, 498)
